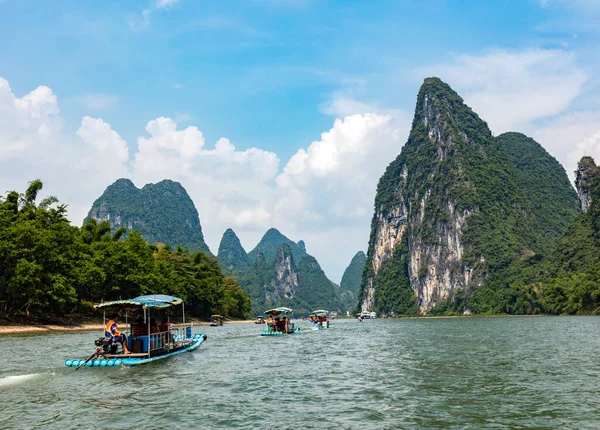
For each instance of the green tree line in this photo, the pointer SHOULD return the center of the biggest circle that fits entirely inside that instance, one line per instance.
(49, 267)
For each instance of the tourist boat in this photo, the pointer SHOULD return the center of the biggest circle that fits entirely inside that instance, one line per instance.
(282, 322)
(216, 320)
(366, 315)
(319, 319)
(260, 320)
(146, 340)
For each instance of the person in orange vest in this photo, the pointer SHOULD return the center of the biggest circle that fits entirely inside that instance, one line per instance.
(112, 331)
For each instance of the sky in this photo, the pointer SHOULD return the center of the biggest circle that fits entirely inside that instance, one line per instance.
(277, 113)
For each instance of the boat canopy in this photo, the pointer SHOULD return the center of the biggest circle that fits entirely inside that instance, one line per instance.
(279, 311)
(217, 316)
(149, 301)
(320, 312)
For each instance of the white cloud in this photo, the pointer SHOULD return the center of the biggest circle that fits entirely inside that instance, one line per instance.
(178, 86)
(210, 175)
(326, 191)
(33, 145)
(165, 3)
(99, 135)
(157, 5)
(589, 146)
(511, 89)
(26, 121)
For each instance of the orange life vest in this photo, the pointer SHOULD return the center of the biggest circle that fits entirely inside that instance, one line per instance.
(108, 329)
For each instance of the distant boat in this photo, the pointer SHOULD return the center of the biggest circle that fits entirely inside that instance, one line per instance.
(216, 320)
(319, 319)
(146, 340)
(279, 322)
(260, 320)
(366, 315)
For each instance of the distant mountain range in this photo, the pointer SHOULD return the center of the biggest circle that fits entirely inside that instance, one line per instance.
(277, 272)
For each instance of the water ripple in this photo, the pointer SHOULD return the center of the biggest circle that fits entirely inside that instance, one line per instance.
(466, 373)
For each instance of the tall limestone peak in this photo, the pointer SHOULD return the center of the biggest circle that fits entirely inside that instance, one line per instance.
(161, 212)
(449, 213)
(232, 255)
(270, 243)
(353, 273)
(585, 174)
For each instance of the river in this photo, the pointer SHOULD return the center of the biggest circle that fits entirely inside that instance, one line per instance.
(518, 372)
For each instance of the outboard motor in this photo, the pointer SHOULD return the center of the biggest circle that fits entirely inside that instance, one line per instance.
(108, 347)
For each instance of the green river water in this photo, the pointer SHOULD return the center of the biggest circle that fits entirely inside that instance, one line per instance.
(520, 372)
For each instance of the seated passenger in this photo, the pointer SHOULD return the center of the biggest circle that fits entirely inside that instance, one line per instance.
(111, 331)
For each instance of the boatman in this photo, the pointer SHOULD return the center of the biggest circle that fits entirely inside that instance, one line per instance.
(111, 331)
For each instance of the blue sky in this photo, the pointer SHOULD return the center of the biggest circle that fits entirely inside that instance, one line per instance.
(274, 75)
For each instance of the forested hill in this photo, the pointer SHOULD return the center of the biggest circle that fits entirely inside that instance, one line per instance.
(548, 195)
(350, 284)
(161, 212)
(270, 243)
(49, 268)
(458, 212)
(231, 254)
(278, 272)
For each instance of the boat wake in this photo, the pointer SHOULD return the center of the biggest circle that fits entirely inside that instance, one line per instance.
(16, 379)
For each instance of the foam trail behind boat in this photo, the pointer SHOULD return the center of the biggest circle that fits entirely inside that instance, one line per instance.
(16, 379)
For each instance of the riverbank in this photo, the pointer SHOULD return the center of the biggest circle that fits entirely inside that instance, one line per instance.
(8, 327)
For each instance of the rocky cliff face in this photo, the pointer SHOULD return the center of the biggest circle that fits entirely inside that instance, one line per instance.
(162, 212)
(448, 211)
(586, 172)
(285, 283)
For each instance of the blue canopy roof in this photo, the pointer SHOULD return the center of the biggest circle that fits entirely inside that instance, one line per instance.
(278, 311)
(149, 301)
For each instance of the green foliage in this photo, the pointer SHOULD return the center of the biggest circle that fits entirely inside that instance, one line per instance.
(393, 294)
(572, 272)
(543, 182)
(48, 267)
(232, 255)
(350, 284)
(162, 213)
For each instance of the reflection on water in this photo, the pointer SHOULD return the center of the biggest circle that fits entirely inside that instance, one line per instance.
(540, 372)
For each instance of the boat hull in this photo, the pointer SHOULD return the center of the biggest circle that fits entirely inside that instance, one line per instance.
(197, 340)
(279, 333)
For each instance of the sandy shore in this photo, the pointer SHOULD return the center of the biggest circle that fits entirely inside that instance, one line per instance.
(23, 328)
(15, 329)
